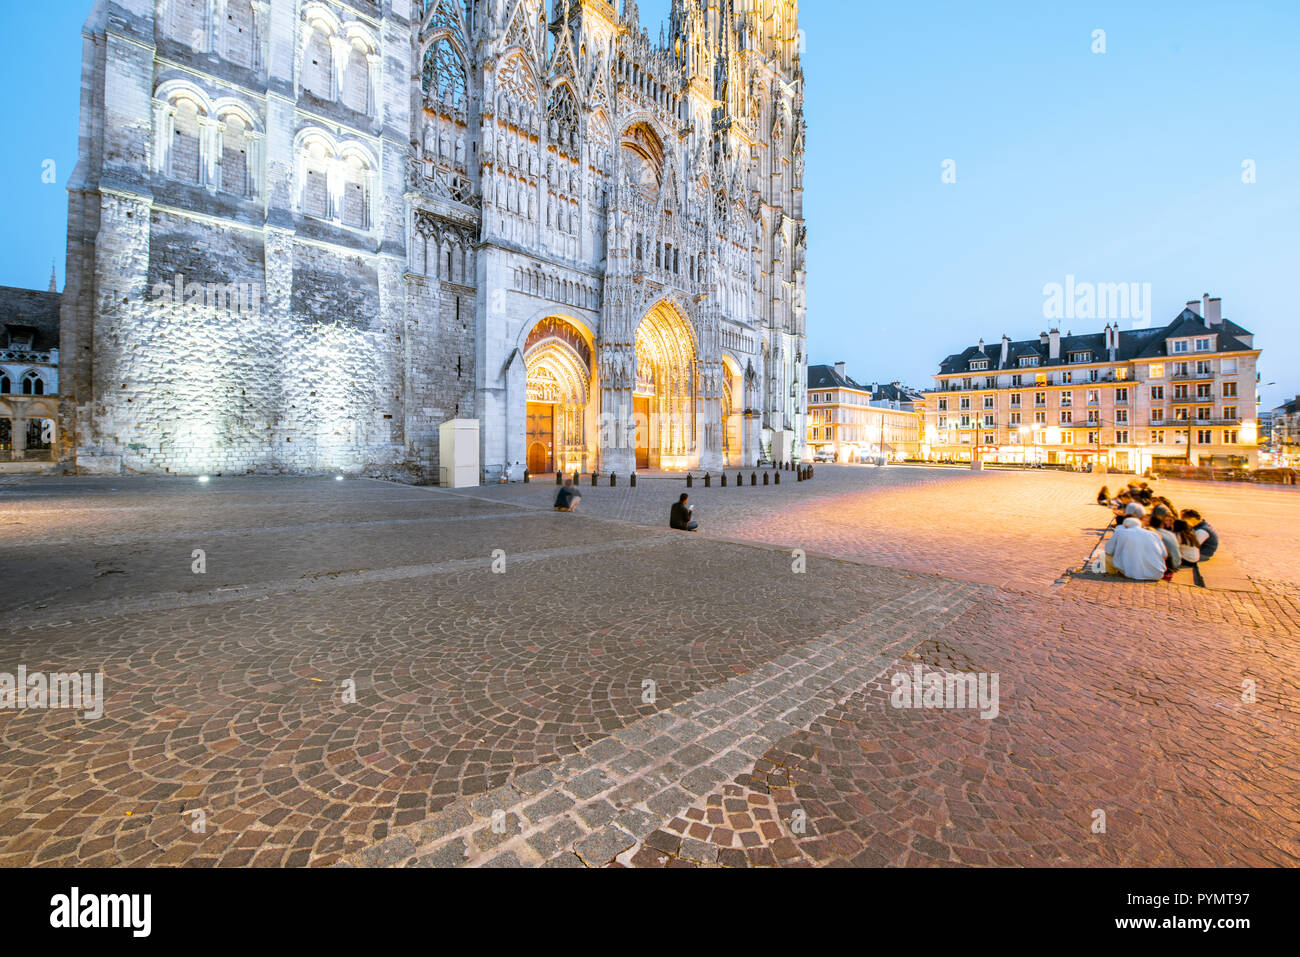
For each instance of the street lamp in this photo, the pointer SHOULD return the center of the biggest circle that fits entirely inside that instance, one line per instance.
(1025, 433)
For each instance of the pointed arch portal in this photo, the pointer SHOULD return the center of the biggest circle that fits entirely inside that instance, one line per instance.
(664, 399)
(558, 359)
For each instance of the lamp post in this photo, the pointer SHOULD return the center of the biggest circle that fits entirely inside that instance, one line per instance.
(1025, 433)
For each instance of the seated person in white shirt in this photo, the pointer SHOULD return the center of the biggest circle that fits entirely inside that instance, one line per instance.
(1136, 552)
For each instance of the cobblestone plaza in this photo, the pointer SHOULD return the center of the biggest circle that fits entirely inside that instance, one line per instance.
(354, 672)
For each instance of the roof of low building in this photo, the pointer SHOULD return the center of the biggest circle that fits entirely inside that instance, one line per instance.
(30, 309)
(1133, 344)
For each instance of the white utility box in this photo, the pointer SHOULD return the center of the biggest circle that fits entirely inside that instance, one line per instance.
(458, 454)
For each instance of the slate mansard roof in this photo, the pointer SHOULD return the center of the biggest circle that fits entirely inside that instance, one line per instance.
(825, 377)
(1133, 344)
(27, 311)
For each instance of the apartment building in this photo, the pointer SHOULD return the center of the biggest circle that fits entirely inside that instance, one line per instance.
(849, 420)
(1286, 433)
(1179, 394)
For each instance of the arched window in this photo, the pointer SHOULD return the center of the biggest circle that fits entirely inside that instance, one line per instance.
(315, 192)
(5, 384)
(443, 76)
(356, 79)
(6, 435)
(234, 155)
(318, 64)
(356, 193)
(38, 434)
(33, 384)
(239, 32)
(185, 149)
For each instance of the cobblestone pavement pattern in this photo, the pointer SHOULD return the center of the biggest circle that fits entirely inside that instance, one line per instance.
(621, 695)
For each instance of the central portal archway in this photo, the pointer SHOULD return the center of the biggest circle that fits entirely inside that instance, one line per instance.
(665, 394)
(558, 358)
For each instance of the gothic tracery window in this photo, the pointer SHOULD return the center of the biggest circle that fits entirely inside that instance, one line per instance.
(562, 115)
(356, 83)
(33, 384)
(185, 151)
(443, 77)
(234, 155)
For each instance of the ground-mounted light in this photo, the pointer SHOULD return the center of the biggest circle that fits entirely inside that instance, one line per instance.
(204, 479)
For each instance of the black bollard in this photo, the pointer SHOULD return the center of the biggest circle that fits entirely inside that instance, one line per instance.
(740, 480)
(708, 480)
(690, 480)
(753, 478)
(613, 479)
(527, 477)
(594, 478)
(724, 479)
(576, 477)
(778, 478)
(559, 478)
(634, 480)
(765, 479)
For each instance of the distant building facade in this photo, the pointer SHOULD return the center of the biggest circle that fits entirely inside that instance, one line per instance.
(1181, 394)
(849, 420)
(29, 375)
(1286, 433)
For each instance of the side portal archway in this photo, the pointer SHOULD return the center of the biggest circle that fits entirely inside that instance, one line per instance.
(557, 355)
(665, 396)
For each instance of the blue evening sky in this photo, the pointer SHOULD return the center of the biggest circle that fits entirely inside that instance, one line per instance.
(1117, 167)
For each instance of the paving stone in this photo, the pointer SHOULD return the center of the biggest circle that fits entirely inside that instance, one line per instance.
(603, 846)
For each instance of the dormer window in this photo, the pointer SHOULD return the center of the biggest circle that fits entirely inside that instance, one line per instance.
(1080, 356)
(1026, 361)
(978, 364)
(1204, 345)
(1180, 346)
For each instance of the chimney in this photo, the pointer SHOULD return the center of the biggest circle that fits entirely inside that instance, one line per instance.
(1006, 348)
(839, 369)
(1054, 350)
(981, 344)
(1193, 305)
(1213, 311)
(1042, 338)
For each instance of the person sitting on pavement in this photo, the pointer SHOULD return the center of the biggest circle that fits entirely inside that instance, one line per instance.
(1187, 542)
(1103, 497)
(1207, 539)
(1136, 552)
(567, 498)
(680, 517)
(1160, 523)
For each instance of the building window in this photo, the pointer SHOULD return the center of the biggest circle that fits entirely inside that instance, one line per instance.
(1202, 345)
(1040, 399)
(1229, 390)
(1067, 400)
(356, 78)
(1204, 367)
(318, 64)
(1067, 378)
(1026, 361)
(943, 422)
(1015, 380)
(1040, 418)
(1094, 396)
(1158, 393)
(1157, 415)
(1158, 437)
(33, 384)
(1121, 415)
(981, 364)
(234, 155)
(1230, 412)
(1121, 437)
(1179, 346)
(1015, 400)
(1015, 418)
(989, 402)
(988, 421)
(1230, 437)
(1065, 417)
(240, 43)
(1093, 438)
(965, 403)
(1156, 371)
(989, 439)
(1121, 395)
(1204, 437)
(1067, 438)
(5, 386)
(943, 405)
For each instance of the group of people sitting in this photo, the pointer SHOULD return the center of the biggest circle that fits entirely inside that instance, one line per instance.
(1152, 539)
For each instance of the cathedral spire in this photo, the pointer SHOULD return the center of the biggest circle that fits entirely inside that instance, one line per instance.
(54, 281)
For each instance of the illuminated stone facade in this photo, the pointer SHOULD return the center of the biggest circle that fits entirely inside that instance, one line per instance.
(304, 234)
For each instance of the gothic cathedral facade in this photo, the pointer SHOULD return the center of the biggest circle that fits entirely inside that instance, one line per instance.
(305, 233)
